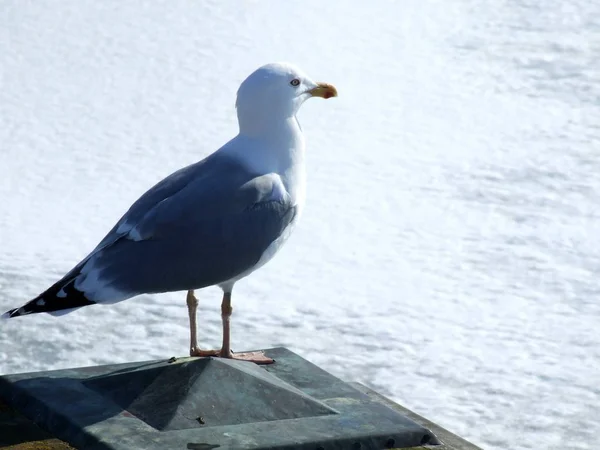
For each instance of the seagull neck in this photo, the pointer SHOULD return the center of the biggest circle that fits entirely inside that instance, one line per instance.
(284, 133)
(258, 123)
(279, 150)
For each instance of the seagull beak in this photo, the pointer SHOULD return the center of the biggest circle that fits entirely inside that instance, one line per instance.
(324, 90)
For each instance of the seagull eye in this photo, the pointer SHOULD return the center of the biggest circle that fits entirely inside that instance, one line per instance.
(295, 82)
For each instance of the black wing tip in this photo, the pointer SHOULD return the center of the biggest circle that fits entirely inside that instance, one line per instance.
(50, 302)
(16, 312)
(60, 296)
(10, 313)
(24, 310)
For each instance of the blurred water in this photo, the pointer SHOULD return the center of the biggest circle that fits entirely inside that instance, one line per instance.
(448, 252)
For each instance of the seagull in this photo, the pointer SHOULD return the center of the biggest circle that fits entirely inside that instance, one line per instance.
(211, 223)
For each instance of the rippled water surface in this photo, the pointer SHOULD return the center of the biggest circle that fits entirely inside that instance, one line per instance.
(448, 255)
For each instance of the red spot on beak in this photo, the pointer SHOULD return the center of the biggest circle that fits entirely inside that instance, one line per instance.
(324, 90)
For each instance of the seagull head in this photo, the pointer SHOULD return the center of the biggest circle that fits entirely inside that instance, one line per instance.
(276, 91)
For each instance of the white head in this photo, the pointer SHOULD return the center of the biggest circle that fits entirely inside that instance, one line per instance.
(275, 92)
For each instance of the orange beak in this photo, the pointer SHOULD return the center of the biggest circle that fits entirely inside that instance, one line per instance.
(324, 90)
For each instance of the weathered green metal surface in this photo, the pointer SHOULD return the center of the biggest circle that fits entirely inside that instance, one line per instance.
(204, 403)
(448, 441)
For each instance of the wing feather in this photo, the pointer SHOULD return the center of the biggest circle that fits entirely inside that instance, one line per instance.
(202, 225)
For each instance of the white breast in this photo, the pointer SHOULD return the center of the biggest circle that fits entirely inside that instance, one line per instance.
(281, 153)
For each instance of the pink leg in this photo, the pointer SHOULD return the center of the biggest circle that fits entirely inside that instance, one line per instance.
(192, 304)
(255, 357)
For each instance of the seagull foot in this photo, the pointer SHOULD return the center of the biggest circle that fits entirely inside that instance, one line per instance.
(203, 353)
(255, 357)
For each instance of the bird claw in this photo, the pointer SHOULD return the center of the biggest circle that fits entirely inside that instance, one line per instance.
(255, 357)
(196, 352)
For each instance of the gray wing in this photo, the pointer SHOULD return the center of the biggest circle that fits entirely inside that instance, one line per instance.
(203, 225)
(216, 225)
(163, 190)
